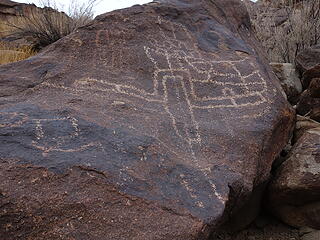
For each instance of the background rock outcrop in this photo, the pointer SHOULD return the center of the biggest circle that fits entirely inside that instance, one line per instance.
(10, 10)
(308, 63)
(295, 191)
(289, 79)
(158, 121)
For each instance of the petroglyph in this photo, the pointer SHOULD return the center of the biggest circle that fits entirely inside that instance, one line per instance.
(58, 141)
(54, 140)
(184, 81)
(183, 74)
(12, 119)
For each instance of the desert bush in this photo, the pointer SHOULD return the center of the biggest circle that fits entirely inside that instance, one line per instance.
(297, 29)
(48, 24)
(9, 54)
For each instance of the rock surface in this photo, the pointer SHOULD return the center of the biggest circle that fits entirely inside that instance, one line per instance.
(307, 103)
(18, 14)
(10, 9)
(315, 113)
(314, 88)
(308, 64)
(294, 194)
(153, 122)
(289, 79)
(312, 235)
(302, 125)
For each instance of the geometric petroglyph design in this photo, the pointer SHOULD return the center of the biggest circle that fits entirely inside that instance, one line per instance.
(186, 77)
(183, 74)
(58, 140)
(12, 120)
(61, 132)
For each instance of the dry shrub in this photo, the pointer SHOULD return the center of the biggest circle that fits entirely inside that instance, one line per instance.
(9, 54)
(47, 25)
(286, 27)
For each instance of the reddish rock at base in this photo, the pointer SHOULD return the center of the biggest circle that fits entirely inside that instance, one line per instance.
(294, 194)
(168, 105)
(82, 204)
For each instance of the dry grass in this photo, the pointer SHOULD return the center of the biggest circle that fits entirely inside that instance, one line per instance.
(9, 54)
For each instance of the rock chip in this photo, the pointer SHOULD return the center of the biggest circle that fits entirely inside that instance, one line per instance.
(294, 194)
(289, 79)
(156, 122)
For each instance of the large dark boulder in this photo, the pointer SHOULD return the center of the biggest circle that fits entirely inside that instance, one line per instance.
(153, 122)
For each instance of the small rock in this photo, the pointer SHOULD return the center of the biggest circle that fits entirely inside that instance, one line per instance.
(302, 125)
(289, 80)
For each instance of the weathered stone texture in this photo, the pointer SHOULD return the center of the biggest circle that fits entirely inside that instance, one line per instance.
(294, 194)
(154, 122)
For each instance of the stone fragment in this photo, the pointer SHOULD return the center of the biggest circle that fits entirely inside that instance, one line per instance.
(289, 79)
(302, 125)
